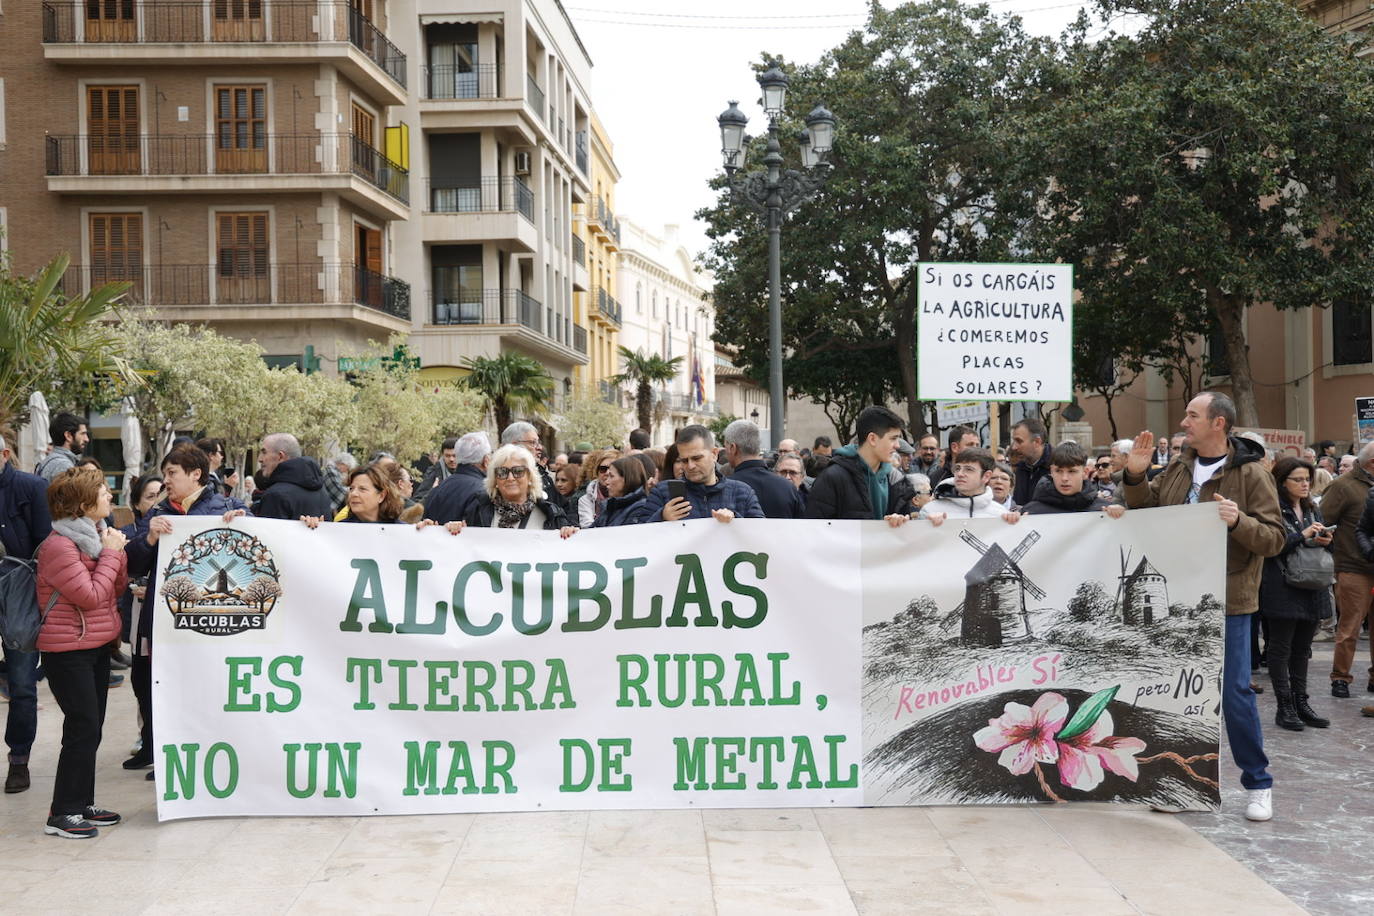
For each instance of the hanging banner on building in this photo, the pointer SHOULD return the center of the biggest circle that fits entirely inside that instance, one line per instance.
(994, 332)
(1364, 421)
(374, 669)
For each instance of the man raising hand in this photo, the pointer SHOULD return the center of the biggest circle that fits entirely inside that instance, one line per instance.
(1218, 467)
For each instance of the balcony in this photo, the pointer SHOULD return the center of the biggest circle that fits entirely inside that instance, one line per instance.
(579, 251)
(607, 308)
(447, 82)
(204, 32)
(467, 211)
(261, 292)
(535, 97)
(516, 316)
(602, 221)
(581, 154)
(197, 163)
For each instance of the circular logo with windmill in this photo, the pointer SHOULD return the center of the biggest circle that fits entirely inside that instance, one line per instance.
(220, 582)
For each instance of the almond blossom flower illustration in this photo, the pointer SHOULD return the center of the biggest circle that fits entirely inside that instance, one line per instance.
(1025, 734)
(1082, 757)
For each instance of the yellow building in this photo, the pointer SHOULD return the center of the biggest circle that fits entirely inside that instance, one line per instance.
(595, 250)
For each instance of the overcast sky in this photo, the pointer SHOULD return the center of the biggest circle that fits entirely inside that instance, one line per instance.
(663, 70)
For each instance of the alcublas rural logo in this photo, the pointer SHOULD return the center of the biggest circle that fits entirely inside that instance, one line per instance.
(221, 582)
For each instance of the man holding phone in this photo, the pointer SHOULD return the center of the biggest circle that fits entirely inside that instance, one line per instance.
(703, 494)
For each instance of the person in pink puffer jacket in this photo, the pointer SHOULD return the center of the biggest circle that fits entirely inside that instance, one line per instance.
(83, 561)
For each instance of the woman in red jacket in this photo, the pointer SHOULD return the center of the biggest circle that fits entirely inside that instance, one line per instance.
(84, 562)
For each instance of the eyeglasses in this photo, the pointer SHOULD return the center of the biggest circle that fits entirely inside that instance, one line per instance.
(517, 472)
(790, 473)
(922, 492)
(603, 469)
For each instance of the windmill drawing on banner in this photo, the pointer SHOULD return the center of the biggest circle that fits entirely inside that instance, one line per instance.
(994, 608)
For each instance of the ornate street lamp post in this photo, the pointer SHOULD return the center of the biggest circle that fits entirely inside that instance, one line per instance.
(774, 192)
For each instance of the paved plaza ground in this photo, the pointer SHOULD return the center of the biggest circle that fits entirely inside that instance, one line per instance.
(1096, 859)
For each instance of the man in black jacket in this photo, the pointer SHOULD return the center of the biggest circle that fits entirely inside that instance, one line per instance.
(777, 497)
(1033, 458)
(294, 485)
(451, 499)
(859, 483)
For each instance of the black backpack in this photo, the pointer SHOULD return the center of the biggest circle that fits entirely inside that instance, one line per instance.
(20, 619)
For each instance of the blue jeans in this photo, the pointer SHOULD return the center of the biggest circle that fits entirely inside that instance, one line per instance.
(1238, 708)
(22, 722)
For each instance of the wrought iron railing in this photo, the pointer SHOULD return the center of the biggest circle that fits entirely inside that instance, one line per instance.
(535, 96)
(245, 278)
(446, 81)
(480, 195)
(579, 250)
(581, 154)
(225, 153)
(220, 21)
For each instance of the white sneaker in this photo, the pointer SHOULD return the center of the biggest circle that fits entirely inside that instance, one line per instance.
(1261, 804)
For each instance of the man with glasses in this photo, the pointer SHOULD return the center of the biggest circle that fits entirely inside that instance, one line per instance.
(708, 494)
(927, 455)
(1102, 476)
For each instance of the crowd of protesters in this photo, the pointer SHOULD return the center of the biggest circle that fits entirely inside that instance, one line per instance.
(101, 576)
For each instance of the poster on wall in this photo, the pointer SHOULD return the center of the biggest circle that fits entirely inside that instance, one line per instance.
(374, 669)
(1364, 420)
(994, 332)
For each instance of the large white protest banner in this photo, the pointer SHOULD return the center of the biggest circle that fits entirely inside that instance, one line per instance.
(994, 332)
(374, 669)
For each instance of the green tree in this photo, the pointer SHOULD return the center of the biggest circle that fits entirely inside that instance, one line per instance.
(396, 412)
(642, 373)
(587, 417)
(929, 98)
(510, 383)
(1217, 159)
(50, 340)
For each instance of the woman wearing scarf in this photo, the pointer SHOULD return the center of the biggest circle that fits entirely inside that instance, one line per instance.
(82, 568)
(593, 502)
(514, 497)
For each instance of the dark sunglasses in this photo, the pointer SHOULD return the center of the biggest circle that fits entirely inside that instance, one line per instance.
(603, 469)
(517, 473)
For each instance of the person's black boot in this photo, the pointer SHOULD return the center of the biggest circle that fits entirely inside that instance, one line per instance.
(1340, 690)
(17, 780)
(1287, 715)
(1305, 712)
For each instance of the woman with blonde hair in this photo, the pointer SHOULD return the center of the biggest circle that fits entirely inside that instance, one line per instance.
(514, 497)
(82, 571)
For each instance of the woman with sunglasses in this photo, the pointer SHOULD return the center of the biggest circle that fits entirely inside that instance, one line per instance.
(514, 497)
(626, 486)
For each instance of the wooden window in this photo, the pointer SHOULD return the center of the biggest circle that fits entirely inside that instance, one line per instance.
(238, 20)
(240, 129)
(112, 122)
(242, 258)
(116, 246)
(367, 260)
(364, 143)
(111, 20)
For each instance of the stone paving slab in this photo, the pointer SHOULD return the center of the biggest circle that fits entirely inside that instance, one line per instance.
(967, 860)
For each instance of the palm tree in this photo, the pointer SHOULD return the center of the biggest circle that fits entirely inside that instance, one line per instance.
(644, 372)
(511, 383)
(50, 337)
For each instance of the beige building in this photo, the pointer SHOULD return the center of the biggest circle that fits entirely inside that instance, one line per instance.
(500, 160)
(229, 159)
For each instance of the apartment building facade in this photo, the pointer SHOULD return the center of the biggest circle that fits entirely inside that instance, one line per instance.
(225, 158)
(667, 310)
(597, 249)
(314, 173)
(500, 161)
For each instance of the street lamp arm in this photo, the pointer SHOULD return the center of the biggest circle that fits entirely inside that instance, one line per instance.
(752, 189)
(797, 187)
